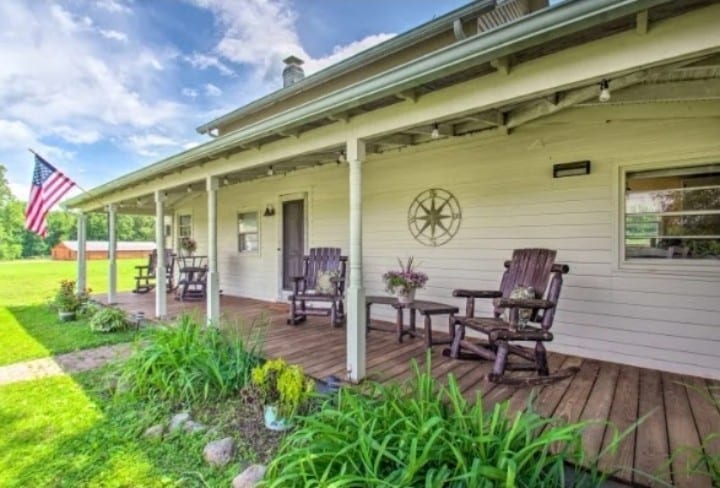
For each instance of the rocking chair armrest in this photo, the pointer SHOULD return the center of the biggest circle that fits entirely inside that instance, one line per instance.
(477, 293)
(535, 303)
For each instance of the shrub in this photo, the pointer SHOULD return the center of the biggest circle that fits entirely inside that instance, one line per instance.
(67, 299)
(109, 319)
(424, 434)
(188, 363)
(282, 385)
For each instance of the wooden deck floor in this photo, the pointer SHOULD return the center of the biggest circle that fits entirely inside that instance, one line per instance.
(677, 409)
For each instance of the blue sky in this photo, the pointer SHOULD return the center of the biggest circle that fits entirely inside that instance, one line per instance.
(103, 87)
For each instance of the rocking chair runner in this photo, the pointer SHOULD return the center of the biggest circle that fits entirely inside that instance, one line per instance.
(323, 280)
(528, 268)
(146, 274)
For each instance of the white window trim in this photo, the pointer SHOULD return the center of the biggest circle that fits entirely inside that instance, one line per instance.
(259, 232)
(682, 267)
(176, 222)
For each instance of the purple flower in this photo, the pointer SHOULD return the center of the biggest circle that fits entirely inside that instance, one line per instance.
(406, 279)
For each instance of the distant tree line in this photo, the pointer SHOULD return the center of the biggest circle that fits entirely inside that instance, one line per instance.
(16, 242)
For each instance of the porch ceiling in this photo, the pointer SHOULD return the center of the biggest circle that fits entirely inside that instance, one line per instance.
(691, 80)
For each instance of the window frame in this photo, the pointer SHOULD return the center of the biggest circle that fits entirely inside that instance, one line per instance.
(179, 228)
(258, 232)
(676, 266)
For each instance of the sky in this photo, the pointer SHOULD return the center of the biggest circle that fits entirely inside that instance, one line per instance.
(103, 87)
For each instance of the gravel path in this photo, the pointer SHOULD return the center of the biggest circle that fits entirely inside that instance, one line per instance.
(72, 362)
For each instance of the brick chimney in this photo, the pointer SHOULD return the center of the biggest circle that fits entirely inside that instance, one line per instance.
(293, 71)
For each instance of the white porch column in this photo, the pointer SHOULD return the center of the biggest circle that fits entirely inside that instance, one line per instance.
(213, 279)
(81, 256)
(112, 253)
(356, 290)
(160, 281)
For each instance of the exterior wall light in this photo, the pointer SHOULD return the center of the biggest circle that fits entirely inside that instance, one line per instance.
(604, 95)
(269, 211)
(435, 134)
(576, 168)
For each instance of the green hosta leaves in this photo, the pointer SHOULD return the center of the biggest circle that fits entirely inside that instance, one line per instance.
(423, 434)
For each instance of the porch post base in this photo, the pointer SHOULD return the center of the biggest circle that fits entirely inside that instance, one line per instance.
(356, 334)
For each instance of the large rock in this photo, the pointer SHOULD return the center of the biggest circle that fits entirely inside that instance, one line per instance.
(155, 432)
(219, 453)
(178, 420)
(250, 477)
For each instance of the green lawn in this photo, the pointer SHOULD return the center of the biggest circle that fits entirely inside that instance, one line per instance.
(64, 432)
(28, 329)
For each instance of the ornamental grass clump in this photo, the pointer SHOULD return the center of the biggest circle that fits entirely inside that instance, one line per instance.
(187, 363)
(425, 434)
(109, 319)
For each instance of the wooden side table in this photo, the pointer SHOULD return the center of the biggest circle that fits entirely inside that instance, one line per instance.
(426, 308)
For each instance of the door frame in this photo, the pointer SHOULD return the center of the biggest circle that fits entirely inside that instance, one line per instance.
(286, 197)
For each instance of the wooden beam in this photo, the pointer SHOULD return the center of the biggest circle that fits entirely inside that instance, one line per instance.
(678, 91)
(501, 64)
(641, 22)
(396, 140)
(341, 117)
(411, 95)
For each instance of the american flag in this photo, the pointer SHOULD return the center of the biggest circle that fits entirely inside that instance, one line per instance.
(48, 187)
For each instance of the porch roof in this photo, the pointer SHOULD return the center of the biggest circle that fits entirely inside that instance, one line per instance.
(546, 31)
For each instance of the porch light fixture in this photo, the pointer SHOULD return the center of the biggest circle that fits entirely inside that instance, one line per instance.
(604, 95)
(576, 168)
(341, 157)
(226, 182)
(189, 189)
(270, 171)
(139, 202)
(269, 211)
(435, 134)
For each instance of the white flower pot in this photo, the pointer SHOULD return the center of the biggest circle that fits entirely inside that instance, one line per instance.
(405, 297)
(66, 316)
(273, 421)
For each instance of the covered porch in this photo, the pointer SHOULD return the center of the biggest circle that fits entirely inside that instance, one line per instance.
(677, 407)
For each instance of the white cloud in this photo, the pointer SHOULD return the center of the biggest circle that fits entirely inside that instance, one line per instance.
(204, 61)
(212, 90)
(189, 92)
(76, 136)
(261, 33)
(151, 145)
(114, 35)
(112, 6)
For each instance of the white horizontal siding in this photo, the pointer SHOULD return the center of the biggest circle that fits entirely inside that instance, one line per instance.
(509, 200)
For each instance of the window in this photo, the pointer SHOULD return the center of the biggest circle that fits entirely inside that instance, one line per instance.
(673, 214)
(248, 235)
(184, 227)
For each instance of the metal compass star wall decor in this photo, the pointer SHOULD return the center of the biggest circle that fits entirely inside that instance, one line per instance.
(434, 217)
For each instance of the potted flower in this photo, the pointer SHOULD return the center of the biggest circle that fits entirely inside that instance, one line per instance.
(188, 245)
(68, 302)
(404, 282)
(283, 390)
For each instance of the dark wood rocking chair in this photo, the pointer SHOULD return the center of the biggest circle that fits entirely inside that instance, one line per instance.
(146, 274)
(192, 285)
(321, 260)
(534, 268)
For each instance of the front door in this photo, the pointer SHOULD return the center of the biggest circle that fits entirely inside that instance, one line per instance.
(293, 248)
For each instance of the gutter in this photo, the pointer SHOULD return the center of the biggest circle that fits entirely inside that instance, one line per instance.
(565, 18)
(397, 43)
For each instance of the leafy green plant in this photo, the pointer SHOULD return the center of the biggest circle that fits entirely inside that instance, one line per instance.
(67, 299)
(282, 385)
(187, 363)
(425, 434)
(109, 319)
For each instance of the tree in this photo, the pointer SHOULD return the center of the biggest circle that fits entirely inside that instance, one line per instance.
(11, 221)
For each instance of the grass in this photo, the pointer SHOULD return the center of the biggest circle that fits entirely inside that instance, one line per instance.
(28, 330)
(65, 432)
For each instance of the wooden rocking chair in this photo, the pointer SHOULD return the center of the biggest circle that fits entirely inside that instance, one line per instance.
(533, 268)
(146, 274)
(323, 281)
